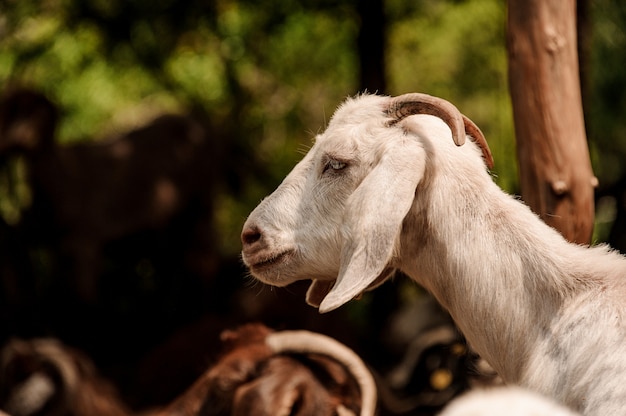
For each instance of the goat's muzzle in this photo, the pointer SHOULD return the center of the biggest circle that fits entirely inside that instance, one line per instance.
(261, 257)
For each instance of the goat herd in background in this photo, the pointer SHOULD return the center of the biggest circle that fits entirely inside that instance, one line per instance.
(394, 186)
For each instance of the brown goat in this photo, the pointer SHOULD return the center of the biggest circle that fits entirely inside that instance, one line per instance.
(86, 195)
(259, 373)
(252, 377)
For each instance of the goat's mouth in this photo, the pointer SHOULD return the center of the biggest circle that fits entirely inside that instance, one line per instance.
(263, 264)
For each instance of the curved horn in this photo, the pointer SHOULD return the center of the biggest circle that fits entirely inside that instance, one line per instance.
(54, 351)
(417, 103)
(315, 343)
(472, 130)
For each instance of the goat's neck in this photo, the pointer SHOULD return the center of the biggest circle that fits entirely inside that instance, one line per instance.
(499, 270)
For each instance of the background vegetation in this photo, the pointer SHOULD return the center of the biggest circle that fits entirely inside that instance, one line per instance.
(273, 72)
(270, 73)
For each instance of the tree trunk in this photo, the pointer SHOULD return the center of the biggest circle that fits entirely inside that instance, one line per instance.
(556, 178)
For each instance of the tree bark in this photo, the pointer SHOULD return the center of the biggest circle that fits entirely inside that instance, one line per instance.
(556, 177)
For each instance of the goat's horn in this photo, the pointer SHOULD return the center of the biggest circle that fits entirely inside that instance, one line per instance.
(52, 350)
(474, 132)
(313, 343)
(418, 103)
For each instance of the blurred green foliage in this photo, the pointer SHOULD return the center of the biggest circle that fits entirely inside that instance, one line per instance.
(273, 72)
(457, 50)
(606, 110)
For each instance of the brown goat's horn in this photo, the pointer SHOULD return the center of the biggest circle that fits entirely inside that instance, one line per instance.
(472, 130)
(314, 343)
(417, 103)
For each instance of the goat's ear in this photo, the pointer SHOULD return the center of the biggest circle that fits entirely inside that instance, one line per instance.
(373, 219)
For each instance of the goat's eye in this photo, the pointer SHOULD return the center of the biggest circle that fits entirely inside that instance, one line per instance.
(336, 164)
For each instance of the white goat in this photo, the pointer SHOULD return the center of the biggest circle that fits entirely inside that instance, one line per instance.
(384, 189)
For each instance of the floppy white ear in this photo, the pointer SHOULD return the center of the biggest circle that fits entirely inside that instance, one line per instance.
(374, 216)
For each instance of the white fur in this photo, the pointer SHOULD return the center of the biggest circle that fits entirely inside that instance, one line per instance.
(509, 401)
(546, 314)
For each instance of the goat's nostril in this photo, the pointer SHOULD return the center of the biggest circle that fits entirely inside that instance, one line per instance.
(250, 235)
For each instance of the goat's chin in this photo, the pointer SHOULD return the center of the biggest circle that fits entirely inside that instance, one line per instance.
(275, 269)
(287, 268)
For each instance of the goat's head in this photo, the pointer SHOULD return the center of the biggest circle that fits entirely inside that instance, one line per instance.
(336, 218)
(278, 373)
